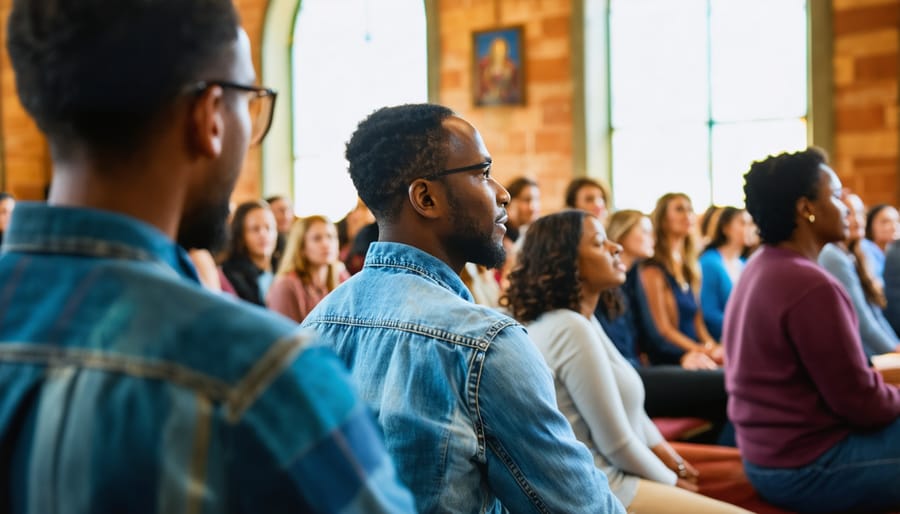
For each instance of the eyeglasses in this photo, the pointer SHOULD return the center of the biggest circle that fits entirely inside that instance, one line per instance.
(480, 166)
(261, 106)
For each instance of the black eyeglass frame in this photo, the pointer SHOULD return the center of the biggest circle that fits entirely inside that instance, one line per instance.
(471, 167)
(259, 91)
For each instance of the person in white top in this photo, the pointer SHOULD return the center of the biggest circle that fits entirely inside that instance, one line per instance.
(565, 263)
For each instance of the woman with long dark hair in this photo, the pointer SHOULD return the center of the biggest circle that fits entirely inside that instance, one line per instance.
(721, 264)
(248, 261)
(565, 263)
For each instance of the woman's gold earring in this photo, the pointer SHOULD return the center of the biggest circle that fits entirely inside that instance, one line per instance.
(811, 218)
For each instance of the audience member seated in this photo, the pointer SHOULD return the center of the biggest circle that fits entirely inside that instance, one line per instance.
(7, 204)
(207, 270)
(695, 389)
(670, 280)
(817, 427)
(125, 386)
(464, 398)
(350, 225)
(357, 255)
(565, 263)
(524, 207)
(481, 282)
(882, 228)
(708, 222)
(892, 285)
(248, 262)
(310, 268)
(590, 196)
(283, 211)
(721, 265)
(846, 261)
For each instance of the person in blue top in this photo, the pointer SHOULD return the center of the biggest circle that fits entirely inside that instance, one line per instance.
(125, 386)
(671, 279)
(882, 228)
(847, 262)
(721, 264)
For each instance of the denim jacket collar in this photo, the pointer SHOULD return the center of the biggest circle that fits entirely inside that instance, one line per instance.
(40, 228)
(414, 260)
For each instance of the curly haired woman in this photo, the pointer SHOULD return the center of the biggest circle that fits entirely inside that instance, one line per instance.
(565, 263)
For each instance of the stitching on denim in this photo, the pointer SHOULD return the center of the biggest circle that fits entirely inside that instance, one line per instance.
(84, 246)
(278, 357)
(405, 326)
(55, 357)
(518, 476)
(473, 387)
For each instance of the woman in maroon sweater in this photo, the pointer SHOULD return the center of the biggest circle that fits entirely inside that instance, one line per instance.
(817, 428)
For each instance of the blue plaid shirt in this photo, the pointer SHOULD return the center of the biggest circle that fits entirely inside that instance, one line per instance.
(126, 387)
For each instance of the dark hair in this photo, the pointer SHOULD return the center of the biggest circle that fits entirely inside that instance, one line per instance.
(773, 186)
(870, 218)
(272, 199)
(237, 243)
(391, 148)
(546, 275)
(518, 185)
(578, 183)
(6, 196)
(726, 215)
(101, 72)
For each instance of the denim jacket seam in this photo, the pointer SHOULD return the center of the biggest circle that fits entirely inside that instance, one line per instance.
(495, 445)
(476, 343)
(238, 397)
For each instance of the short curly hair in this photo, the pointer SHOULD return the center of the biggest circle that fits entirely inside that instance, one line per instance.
(101, 72)
(393, 147)
(773, 186)
(546, 276)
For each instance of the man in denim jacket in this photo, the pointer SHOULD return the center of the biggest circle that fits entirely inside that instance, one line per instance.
(124, 386)
(465, 400)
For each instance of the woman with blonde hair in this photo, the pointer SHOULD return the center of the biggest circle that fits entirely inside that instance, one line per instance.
(671, 280)
(309, 270)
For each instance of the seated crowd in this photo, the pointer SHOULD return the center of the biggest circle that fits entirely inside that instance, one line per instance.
(443, 347)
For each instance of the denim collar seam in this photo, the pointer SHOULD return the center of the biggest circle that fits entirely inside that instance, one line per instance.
(405, 326)
(413, 267)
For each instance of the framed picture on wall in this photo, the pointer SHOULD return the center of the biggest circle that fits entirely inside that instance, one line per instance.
(498, 76)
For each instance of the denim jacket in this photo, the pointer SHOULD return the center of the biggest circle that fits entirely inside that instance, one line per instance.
(465, 400)
(126, 387)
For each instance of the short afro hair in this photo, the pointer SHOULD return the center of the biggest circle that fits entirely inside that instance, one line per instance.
(100, 72)
(393, 147)
(773, 186)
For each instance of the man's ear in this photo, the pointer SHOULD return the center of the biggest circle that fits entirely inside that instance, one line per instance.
(208, 125)
(426, 197)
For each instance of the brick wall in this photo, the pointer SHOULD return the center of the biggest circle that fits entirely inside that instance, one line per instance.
(26, 163)
(534, 139)
(866, 97)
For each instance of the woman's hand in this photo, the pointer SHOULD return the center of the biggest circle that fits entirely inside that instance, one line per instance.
(685, 471)
(694, 360)
(714, 351)
(689, 486)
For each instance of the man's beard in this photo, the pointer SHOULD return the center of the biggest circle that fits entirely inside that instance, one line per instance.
(204, 228)
(474, 244)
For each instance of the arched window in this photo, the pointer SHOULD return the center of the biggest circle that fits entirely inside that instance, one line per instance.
(349, 57)
(699, 89)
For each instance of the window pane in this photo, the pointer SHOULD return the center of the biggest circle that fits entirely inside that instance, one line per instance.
(737, 145)
(359, 58)
(758, 59)
(648, 163)
(658, 61)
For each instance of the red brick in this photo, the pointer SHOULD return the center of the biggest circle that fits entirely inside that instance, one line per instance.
(866, 18)
(857, 119)
(876, 67)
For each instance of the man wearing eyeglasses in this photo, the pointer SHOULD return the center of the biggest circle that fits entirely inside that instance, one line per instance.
(465, 400)
(124, 385)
